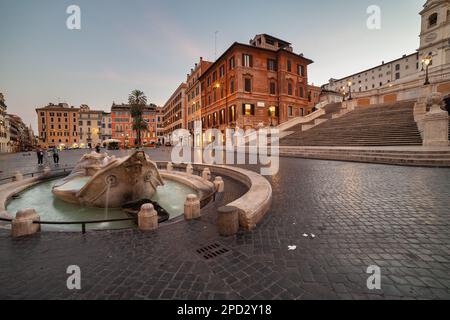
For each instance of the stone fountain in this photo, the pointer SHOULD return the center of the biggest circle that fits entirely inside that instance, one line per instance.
(108, 182)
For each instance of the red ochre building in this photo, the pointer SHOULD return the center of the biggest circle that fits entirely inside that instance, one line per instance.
(249, 86)
(122, 125)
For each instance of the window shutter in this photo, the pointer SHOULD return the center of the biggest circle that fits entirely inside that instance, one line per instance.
(243, 109)
(277, 111)
(253, 110)
(243, 59)
(251, 61)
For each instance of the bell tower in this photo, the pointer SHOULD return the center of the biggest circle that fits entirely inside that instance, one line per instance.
(435, 34)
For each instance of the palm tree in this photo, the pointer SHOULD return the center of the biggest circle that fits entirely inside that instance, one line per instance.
(138, 101)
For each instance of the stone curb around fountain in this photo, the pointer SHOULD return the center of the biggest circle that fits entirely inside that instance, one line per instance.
(7, 191)
(253, 205)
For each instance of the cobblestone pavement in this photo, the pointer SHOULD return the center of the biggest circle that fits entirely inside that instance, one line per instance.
(361, 214)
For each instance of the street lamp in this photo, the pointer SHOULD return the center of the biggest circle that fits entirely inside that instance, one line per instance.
(426, 62)
(350, 90)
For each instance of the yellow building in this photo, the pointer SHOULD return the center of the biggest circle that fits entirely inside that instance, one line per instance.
(58, 126)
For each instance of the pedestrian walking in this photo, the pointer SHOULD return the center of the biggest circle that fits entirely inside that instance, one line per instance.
(55, 153)
(97, 148)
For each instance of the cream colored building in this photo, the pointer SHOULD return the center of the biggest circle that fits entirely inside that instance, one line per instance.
(385, 74)
(106, 130)
(89, 126)
(434, 44)
(435, 36)
(4, 127)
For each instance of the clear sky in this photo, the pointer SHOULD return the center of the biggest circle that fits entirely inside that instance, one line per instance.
(152, 44)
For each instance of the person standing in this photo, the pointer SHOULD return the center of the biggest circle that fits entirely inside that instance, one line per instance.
(97, 148)
(55, 152)
(40, 155)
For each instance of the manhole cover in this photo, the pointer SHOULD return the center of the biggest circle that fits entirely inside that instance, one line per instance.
(212, 251)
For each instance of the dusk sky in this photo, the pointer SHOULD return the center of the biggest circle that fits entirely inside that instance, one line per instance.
(151, 45)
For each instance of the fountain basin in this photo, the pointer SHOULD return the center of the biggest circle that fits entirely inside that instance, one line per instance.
(170, 196)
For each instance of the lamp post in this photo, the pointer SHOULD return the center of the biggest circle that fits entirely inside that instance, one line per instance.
(426, 62)
(350, 90)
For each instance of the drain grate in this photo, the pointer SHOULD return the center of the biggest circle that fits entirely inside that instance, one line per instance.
(212, 251)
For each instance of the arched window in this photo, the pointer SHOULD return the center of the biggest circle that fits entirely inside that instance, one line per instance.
(432, 20)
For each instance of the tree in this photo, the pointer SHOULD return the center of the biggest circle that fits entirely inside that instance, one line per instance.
(138, 101)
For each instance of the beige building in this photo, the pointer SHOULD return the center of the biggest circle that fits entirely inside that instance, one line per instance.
(174, 111)
(58, 125)
(106, 130)
(435, 36)
(4, 127)
(434, 47)
(385, 74)
(89, 126)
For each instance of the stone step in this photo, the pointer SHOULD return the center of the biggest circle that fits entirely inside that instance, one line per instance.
(439, 162)
(392, 155)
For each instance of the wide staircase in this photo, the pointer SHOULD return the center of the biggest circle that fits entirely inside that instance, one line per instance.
(330, 110)
(382, 125)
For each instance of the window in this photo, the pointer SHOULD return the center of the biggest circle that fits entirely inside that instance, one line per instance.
(232, 86)
(397, 76)
(221, 71)
(301, 92)
(289, 66)
(248, 85)
(290, 111)
(214, 76)
(397, 67)
(300, 70)
(248, 109)
(272, 87)
(247, 60)
(271, 65)
(232, 63)
(209, 81)
(290, 89)
(432, 20)
(232, 114)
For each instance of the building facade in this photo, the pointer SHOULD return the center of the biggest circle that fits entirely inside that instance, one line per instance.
(4, 127)
(19, 135)
(261, 84)
(434, 48)
(383, 75)
(435, 36)
(122, 125)
(174, 113)
(89, 126)
(160, 124)
(106, 130)
(194, 95)
(58, 126)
